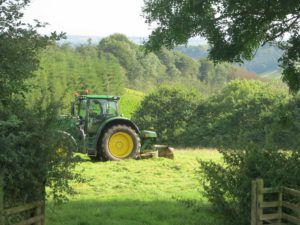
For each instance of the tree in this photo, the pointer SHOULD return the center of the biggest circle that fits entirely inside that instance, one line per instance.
(234, 29)
(27, 134)
(241, 113)
(245, 121)
(66, 70)
(167, 110)
(19, 48)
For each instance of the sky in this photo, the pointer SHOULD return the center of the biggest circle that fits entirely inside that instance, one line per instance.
(90, 17)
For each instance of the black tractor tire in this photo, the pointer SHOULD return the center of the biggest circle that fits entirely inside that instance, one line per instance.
(120, 142)
(98, 158)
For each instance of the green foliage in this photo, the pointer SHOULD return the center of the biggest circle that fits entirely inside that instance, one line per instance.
(258, 127)
(200, 51)
(265, 59)
(145, 71)
(167, 110)
(242, 112)
(228, 185)
(66, 70)
(19, 48)
(290, 63)
(215, 76)
(116, 63)
(139, 68)
(124, 51)
(28, 154)
(284, 133)
(234, 29)
(27, 137)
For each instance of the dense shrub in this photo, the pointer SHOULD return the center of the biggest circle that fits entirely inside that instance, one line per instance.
(27, 133)
(228, 185)
(167, 110)
(285, 132)
(28, 156)
(242, 112)
(258, 127)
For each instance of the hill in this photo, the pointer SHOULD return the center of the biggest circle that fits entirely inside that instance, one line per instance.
(76, 40)
(264, 61)
(116, 63)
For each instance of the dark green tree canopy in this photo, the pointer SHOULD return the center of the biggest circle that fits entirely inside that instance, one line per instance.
(28, 134)
(234, 28)
(19, 47)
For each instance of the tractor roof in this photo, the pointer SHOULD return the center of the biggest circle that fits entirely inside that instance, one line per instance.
(109, 97)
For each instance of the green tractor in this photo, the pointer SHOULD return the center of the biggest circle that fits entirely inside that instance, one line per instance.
(97, 129)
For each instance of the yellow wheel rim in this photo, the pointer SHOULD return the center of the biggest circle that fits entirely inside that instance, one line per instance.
(120, 144)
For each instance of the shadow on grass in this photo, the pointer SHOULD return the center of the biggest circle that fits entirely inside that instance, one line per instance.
(130, 212)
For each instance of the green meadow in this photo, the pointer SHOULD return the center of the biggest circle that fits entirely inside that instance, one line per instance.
(154, 191)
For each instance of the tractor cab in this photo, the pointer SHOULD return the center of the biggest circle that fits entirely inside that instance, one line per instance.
(92, 108)
(92, 112)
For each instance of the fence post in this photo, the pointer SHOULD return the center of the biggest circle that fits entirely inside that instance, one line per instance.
(43, 213)
(253, 203)
(44, 203)
(1, 198)
(260, 199)
(38, 212)
(280, 199)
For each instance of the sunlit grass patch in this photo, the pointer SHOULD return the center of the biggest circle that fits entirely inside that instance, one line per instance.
(152, 191)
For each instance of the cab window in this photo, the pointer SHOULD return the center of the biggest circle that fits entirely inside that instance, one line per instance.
(112, 108)
(95, 108)
(82, 108)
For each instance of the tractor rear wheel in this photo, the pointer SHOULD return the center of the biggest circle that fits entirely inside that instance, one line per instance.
(120, 142)
(65, 145)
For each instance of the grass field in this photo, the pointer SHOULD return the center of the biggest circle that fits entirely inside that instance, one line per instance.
(155, 191)
(130, 101)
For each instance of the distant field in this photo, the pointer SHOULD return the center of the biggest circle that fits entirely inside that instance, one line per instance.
(273, 75)
(130, 101)
(135, 192)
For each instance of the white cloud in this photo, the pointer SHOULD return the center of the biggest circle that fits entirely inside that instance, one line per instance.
(90, 17)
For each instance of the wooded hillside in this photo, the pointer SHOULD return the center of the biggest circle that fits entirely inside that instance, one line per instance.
(116, 63)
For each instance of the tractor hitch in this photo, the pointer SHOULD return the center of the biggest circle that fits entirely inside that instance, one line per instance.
(163, 151)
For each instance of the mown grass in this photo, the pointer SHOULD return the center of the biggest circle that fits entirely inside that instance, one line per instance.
(152, 192)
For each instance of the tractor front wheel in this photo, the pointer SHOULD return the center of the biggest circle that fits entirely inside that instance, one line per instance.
(120, 142)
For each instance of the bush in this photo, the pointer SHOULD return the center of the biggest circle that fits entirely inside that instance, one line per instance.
(242, 112)
(228, 185)
(167, 110)
(258, 128)
(285, 133)
(28, 158)
(27, 135)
